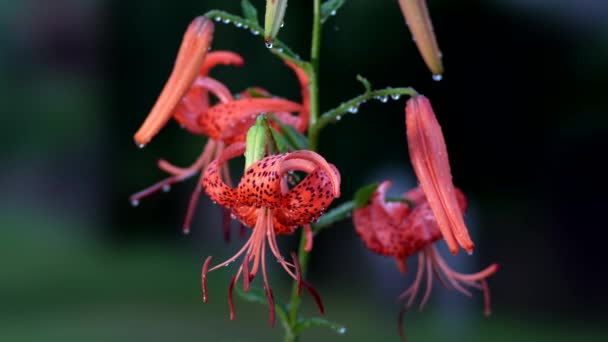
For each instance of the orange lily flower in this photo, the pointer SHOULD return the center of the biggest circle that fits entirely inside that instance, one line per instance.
(224, 123)
(263, 201)
(398, 230)
(429, 157)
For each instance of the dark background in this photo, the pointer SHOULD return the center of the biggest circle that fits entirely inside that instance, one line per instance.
(522, 105)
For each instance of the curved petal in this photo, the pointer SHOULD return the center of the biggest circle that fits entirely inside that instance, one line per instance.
(381, 225)
(304, 117)
(212, 182)
(196, 101)
(218, 57)
(191, 55)
(429, 157)
(224, 121)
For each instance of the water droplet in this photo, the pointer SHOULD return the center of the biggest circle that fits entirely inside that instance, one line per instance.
(226, 21)
(166, 188)
(280, 49)
(141, 145)
(245, 27)
(255, 32)
(437, 77)
(134, 203)
(237, 24)
(395, 96)
(218, 19)
(470, 253)
(342, 330)
(383, 99)
(282, 23)
(232, 216)
(338, 118)
(269, 45)
(333, 13)
(353, 109)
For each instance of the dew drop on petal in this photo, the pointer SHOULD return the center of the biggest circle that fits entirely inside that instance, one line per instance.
(353, 109)
(383, 99)
(166, 188)
(437, 77)
(226, 21)
(395, 96)
(269, 45)
(141, 145)
(255, 32)
(218, 19)
(333, 13)
(237, 24)
(282, 23)
(134, 203)
(342, 331)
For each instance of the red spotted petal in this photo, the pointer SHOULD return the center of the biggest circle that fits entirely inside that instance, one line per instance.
(380, 224)
(191, 55)
(393, 228)
(196, 102)
(224, 121)
(212, 182)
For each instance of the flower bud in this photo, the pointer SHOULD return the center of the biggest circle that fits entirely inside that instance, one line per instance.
(419, 22)
(275, 11)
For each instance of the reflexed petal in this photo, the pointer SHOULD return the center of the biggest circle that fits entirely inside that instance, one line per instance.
(224, 121)
(212, 182)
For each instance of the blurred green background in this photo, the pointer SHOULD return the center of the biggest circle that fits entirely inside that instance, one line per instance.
(523, 106)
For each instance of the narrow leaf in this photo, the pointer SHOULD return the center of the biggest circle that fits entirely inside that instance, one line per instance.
(329, 8)
(364, 195)
(318, 322)
(294, 138)
(336, 214)
(249, 11)
(365, 82)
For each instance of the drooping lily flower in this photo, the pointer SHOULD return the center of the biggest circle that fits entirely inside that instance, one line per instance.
(224, 123)
(429, 157)
(264, 201)
(396, 229)
(418, 20)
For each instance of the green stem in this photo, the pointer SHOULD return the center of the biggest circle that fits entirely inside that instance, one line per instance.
(350, 107)
(315, 54)
(303, 255)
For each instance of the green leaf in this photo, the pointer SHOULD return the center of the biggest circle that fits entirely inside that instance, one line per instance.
(329, 8)
(249, 11)
(336, 214)
(365, 82)
(364, 195)
(318, 322)
(294, 138)
(280, 140)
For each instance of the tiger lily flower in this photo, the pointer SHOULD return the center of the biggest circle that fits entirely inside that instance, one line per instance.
(224, 122)
(264, 201)
(429, 157)
(418, 20)
(396, 229)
